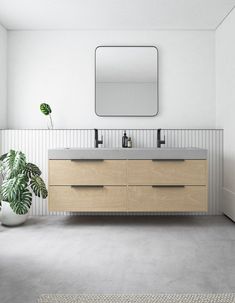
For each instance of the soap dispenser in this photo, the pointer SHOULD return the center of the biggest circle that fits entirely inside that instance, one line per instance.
(124, 140)
(129, 143)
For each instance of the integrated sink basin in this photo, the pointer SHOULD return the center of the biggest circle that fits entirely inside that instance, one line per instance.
(127, 153)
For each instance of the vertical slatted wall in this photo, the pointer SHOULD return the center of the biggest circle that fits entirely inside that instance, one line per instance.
(35, 143)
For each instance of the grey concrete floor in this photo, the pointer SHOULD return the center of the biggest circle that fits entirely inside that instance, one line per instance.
(183, 254)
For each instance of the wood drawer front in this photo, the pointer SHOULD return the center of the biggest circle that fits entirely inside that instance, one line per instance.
(86, 172)
(148, 172)
(172, 199)
(107, 198)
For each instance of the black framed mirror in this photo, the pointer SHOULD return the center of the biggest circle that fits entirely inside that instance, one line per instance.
(126, 81)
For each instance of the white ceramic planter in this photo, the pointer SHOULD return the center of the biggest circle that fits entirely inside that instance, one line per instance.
(9, 218)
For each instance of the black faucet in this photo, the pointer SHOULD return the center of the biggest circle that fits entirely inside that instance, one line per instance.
(159, 141)
(97, 141)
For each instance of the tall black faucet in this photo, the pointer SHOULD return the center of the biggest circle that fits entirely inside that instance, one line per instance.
(97, 141)
(159, 141)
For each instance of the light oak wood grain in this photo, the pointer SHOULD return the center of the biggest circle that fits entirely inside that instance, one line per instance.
(127, 185)
(148, 172)
(67, 198)
(167, 199)
(107, 172)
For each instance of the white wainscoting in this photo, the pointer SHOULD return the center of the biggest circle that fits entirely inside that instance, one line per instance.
(35, 144)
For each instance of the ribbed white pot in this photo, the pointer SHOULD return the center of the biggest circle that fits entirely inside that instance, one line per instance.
(9, 218)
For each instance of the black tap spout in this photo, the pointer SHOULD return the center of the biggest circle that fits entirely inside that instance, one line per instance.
(159, 141)
(97, 141)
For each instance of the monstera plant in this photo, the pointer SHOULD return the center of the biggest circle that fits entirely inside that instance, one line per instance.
(20, 180)
(46, 110)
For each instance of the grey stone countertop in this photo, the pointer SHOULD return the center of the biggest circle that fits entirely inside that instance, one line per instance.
(127, 153)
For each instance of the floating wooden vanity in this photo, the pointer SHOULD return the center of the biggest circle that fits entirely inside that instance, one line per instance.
(134, 180)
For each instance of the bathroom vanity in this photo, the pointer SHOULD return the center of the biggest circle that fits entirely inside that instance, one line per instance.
(128, 180)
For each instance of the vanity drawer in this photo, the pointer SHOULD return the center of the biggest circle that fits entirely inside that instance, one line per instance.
(164, 199)
(87, 172)
(87, 198)
(185, 172)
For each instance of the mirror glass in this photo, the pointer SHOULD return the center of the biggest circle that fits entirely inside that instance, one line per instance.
(126, 81)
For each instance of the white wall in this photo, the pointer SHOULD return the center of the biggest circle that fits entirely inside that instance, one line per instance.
(225, 104)
(58, 67)
(3, 77)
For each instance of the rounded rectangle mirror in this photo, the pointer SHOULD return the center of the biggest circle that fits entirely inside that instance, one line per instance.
(126, 81)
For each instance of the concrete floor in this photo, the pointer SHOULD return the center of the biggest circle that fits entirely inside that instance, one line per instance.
(116, 255)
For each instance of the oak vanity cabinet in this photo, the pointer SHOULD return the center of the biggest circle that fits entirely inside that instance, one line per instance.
(128, 185)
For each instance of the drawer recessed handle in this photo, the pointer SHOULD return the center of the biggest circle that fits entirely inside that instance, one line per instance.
(86, 160)
(87, 186)
(178, 186)
(170, 160)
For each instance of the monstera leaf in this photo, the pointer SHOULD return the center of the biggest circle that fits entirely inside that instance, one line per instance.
(14, 163)
(31, 170)
(45, 109)
(2, 157)
(11, 188)
(38, 187)
(21, 204)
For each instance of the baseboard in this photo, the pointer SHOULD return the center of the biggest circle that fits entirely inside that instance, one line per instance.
(228, 203)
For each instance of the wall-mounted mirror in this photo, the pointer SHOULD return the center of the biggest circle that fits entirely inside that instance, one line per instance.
(126, 81)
